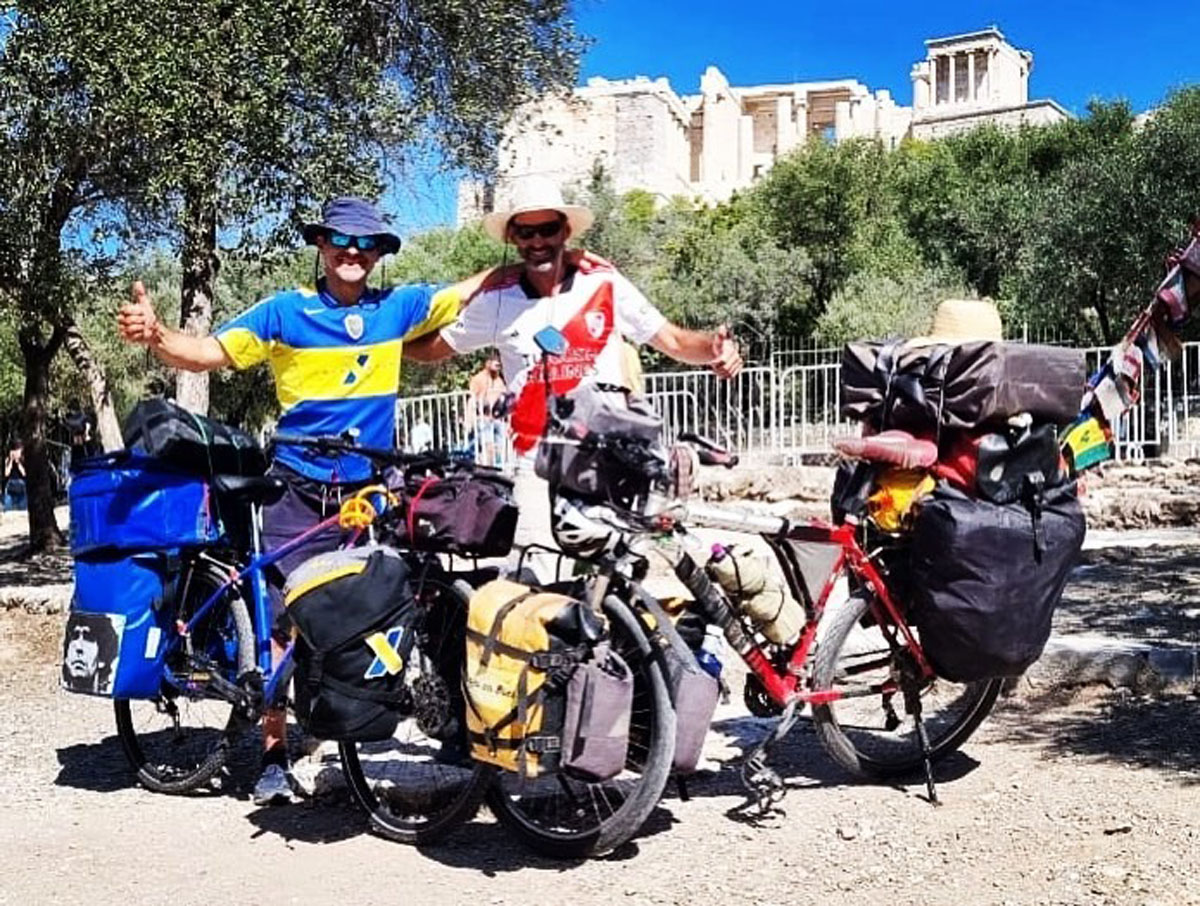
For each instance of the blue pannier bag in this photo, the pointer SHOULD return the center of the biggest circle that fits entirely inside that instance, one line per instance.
(119, 624)
(127, 501)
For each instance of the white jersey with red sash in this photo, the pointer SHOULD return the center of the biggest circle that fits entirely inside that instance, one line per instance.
(596, 309)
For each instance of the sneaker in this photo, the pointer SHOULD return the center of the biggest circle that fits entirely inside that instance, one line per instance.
(274, 786)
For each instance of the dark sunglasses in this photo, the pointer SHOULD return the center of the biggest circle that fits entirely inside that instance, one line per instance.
(526, 231)
(344, 241)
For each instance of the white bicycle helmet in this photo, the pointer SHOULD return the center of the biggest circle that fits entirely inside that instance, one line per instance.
(583, 529)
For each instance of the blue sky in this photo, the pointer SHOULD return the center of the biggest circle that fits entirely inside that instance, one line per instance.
(1105, 48)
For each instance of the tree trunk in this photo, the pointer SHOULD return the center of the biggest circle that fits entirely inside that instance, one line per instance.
(44, 533)
(107, 425)
(200, 266)
(1100, 304)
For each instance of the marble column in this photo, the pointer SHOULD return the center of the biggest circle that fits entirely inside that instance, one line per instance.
(951, 76)
(971, 75)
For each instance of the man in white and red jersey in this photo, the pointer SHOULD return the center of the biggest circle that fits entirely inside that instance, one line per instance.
(582, 295)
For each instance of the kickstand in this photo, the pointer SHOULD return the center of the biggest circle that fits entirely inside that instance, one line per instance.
(912, 696)
(763, 783)
(682, 787)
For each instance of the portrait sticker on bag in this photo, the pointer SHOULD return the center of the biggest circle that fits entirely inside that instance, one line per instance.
(91, 651)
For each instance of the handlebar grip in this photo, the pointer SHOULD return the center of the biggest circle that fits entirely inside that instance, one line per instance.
(716, 458)
(709, 452)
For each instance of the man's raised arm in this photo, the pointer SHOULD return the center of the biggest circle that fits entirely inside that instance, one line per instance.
(138, 323)
(717, 349)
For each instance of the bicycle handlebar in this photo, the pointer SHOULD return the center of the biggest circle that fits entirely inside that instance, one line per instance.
(332, 443)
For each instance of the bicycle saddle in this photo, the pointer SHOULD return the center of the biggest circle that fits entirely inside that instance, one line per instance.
(897, 448)
(266, 489)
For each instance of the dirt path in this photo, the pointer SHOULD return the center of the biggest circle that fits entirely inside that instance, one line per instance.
(1092, 800)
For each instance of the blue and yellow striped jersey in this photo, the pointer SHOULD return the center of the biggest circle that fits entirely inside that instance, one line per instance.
(336, 367)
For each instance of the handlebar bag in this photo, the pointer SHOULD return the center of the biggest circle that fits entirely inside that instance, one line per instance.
(191, 442)
(127, 501)
(469, 512)
(119, 621)
(544, 692)
(987, 577)
(353, 610)
(608, 449)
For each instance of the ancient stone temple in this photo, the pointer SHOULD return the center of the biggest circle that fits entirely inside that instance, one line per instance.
(709, 144)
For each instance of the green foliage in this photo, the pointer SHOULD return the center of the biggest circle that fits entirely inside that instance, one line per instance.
(444, 255)
(881, 306)
(838, 204)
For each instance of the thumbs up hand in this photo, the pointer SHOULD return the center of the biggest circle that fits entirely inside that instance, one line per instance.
(727, 359)
(136, 320)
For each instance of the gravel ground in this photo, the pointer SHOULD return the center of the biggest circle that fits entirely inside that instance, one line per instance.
(1086, 796)
(1089, 799)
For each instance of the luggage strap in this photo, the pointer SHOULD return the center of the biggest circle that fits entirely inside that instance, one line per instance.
(353, 691)
(491, 641)
(411, 516)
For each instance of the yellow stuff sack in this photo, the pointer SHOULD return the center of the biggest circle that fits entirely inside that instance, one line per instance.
(523, 646)
(896, 490)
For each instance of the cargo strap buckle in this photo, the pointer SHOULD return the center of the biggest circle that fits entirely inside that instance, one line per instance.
(548, 660)
(539, 745)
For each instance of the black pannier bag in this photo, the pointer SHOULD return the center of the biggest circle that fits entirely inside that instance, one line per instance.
(469, 512)
(353, 610)
(986, 578)
(173, 435)
(623, 467)
(922, 387)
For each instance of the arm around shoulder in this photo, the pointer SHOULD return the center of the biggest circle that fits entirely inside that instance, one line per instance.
(429, 348)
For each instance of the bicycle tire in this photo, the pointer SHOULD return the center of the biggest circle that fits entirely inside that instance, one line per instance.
(855, 731)
(179, 757)
(408, 795)
(547, 813)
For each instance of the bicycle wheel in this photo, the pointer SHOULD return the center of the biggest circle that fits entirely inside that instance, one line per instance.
(569, 819)
(870, 732)
(178, 740)
(420, 783)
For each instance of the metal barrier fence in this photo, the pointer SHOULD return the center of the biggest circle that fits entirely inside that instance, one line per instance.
(780, 413)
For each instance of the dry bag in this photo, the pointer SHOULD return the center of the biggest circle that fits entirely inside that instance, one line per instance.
(544, 691)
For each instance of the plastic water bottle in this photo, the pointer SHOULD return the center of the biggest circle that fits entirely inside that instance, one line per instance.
(711, 649)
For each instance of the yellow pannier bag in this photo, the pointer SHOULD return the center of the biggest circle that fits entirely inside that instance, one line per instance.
(896, 490)
(527, 652)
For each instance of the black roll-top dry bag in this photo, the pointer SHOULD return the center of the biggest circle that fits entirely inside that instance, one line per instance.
(191, 442)
(987, 577)
(353, 610)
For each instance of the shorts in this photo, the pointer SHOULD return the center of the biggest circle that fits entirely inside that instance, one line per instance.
(304, 503)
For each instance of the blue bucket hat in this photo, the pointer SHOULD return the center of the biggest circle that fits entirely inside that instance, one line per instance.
(354, 217)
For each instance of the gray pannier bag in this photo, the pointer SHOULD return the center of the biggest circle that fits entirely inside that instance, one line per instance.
(595, 736)
(694, 692)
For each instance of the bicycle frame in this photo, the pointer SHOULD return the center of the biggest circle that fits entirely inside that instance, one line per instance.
(260, 598)
(784, 685)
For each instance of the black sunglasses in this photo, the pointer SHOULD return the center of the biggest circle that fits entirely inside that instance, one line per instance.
(526, 231)
(344, 241)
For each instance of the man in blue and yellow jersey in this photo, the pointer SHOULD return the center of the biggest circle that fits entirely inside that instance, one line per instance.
(335, 355)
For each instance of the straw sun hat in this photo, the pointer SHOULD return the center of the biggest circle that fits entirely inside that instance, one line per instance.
(963, 321)
(536, 193)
